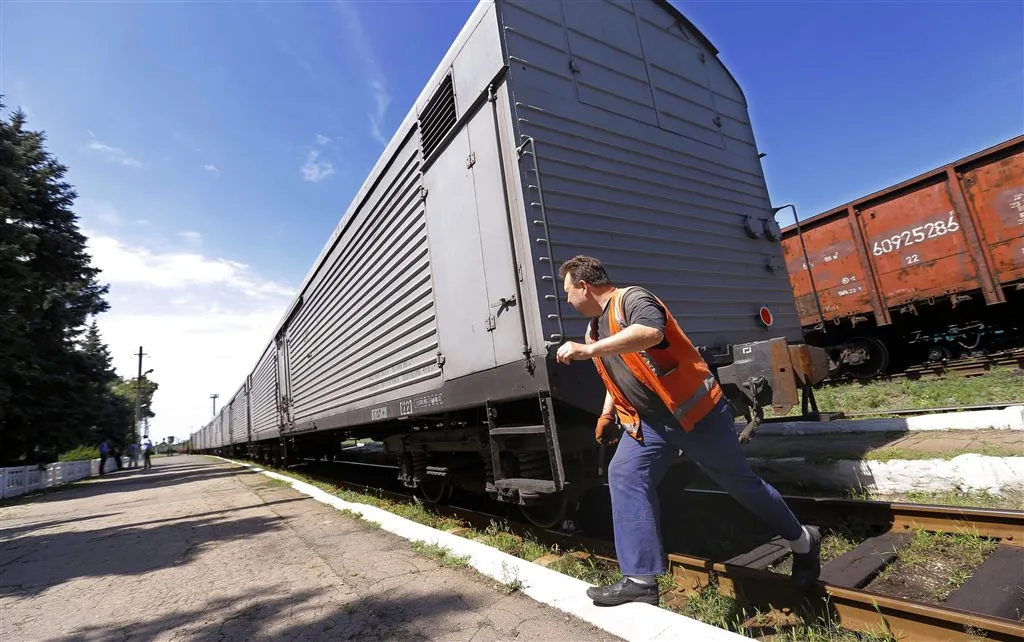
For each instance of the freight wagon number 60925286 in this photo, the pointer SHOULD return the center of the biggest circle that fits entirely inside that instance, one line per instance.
(917, 235)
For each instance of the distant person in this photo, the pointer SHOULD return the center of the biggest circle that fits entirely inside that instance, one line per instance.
(104, 453)
(133, 455)
(147, 452)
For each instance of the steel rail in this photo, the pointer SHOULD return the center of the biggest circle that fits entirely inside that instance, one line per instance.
(1005, 525)
(854, 609)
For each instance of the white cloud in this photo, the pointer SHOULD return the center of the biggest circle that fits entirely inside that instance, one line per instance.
(322, 140)
(192, 238)
(114, 154)
(316, 169)
(142, 221)
(211, 168)
(123, 264)
(203, 321)
(375, 79)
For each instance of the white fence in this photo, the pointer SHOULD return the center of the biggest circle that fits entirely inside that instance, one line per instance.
(27, 479)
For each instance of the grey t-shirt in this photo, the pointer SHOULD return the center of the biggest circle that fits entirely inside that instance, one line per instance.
(638, 306)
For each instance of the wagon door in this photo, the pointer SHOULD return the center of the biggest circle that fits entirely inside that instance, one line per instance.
(475, 276)
(489, 175)
(284, 387)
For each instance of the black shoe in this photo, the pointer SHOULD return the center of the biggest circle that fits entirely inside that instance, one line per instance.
(625, 590)
(807, 566)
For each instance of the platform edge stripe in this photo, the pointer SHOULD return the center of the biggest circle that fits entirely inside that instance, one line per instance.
(1009, 418)
(634, 621)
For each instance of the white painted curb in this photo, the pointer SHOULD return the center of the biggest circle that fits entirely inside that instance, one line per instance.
(1009, 418)
(965, 472)
(632, 621)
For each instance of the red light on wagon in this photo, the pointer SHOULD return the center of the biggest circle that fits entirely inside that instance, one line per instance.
(766, 316)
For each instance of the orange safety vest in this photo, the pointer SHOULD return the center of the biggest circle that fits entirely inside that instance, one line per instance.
(678, 374)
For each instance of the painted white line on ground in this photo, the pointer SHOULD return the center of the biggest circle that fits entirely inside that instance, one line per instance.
(965, 472)
(633, 621)
(1010, 418)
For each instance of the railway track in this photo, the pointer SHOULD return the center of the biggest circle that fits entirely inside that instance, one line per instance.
(989, 605)
(963, 367)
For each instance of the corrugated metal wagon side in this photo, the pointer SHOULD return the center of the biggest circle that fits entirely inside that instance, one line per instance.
(639, 150)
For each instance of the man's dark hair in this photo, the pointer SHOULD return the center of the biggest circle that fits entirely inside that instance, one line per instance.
(584, 268)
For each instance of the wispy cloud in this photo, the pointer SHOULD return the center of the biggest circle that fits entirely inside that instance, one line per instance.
(211, 168)
(122, 263)
(114, 154)
(322, 140)
(192, 238)
(93, 210)
(375, 79)
(316, 169)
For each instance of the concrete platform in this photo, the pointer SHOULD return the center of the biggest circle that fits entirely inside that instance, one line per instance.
(197, 550)
(893, 462)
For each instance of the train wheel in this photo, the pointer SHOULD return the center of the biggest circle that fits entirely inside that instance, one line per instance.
(547, 512)
(865, 357)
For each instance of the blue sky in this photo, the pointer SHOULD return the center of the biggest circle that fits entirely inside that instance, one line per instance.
(214, 145)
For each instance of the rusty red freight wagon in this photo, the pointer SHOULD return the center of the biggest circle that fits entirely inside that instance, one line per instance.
(930, 269)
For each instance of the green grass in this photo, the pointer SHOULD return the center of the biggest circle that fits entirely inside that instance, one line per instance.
(966, 550)
(80, 453)
(711, 607)
(500, 538)
(1012, 499)
(896, 453)
(997, 386)
(441, 554)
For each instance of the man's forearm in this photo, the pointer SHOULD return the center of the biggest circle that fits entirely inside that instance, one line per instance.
(609, 404)
(632, 339)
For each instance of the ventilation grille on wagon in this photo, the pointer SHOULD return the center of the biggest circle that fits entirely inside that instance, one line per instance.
(438, 117)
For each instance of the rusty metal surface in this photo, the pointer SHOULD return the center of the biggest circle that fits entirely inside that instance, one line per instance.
(956, 229)
(839, 277)
(995, 195)
(918, 246)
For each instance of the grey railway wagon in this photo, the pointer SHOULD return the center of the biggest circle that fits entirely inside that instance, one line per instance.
(549, 129)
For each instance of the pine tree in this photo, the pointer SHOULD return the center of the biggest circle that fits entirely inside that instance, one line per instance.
(106, 415)
(48, 290)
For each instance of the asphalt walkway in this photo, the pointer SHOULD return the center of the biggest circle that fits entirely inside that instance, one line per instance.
(199, 550)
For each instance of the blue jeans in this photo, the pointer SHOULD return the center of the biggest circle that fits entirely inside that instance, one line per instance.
(636, 471)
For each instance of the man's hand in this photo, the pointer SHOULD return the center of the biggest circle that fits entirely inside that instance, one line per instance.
(607, 430)
(572, 351)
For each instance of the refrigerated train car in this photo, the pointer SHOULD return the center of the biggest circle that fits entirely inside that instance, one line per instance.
(431, 318)
(928, 270)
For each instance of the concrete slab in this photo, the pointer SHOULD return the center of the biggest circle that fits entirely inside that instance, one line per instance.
(1009, 418)
(198, 550)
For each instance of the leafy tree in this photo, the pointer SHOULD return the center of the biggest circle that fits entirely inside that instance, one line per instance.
(125, 389)
(52, 383)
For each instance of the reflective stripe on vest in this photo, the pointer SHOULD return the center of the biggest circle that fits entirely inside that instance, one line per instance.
(686, 406)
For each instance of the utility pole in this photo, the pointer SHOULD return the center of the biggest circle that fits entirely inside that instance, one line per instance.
(138, 383)
(214, 397)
